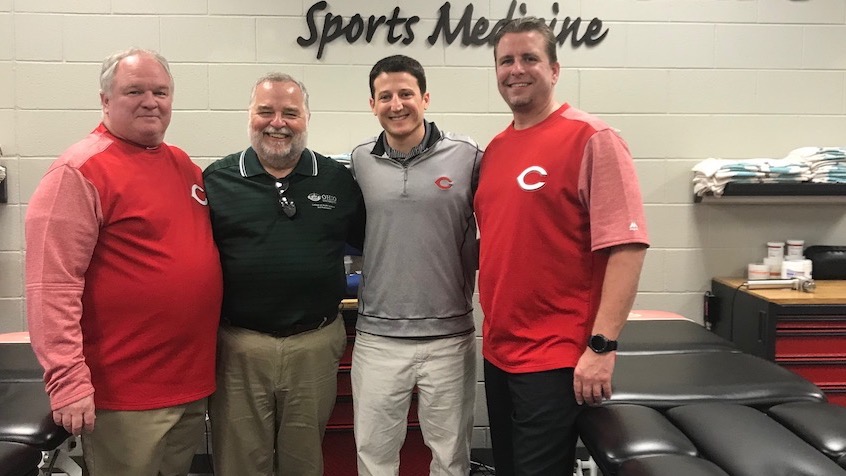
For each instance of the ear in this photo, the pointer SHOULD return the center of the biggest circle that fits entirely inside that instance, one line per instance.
(104, 101)
(373, 105)
(426, 100)
(556, 70)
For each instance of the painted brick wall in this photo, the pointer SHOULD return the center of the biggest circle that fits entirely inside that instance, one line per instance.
(682, 79)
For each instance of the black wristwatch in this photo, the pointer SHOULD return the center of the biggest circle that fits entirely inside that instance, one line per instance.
(601, 344)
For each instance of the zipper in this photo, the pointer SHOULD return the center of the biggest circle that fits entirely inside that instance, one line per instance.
(404, 167)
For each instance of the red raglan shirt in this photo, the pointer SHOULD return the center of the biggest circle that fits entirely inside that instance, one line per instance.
(550, 198)
(123, 279)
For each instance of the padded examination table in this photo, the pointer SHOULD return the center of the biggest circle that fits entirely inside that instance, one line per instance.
(673, 336)
(18, 460)
(670, 380)
(26, 421)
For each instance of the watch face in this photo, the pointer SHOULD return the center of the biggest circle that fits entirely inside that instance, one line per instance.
(598, 343)
(601, 344)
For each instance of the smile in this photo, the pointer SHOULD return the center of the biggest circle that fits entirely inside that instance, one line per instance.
(277, 135)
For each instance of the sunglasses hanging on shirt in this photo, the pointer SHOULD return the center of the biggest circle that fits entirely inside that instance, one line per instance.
(289, 208)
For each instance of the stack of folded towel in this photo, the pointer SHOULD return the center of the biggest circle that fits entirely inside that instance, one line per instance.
(828, 164)
(806, 164)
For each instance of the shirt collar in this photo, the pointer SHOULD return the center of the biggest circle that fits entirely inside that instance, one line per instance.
(432, 137)
(250, 166)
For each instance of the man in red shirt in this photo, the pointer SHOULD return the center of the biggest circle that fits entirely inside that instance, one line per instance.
(123, 281)
(563, 239)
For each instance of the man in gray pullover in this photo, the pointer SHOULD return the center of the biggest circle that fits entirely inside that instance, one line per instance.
(415, 312)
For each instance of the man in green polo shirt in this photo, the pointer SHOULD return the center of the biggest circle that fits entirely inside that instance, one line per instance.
(281, 215)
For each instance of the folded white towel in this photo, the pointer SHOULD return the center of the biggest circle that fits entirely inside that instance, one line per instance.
(804, 164)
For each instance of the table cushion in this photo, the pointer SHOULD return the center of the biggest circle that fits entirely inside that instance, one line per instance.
(744, 441)
(670, 465)
(822, 425)
(17, 459)
(669, 380)
(615, 433)
(25, 416)
(670, 336)
(18, 363)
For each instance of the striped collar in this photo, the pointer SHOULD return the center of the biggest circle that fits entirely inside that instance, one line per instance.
(250, 166)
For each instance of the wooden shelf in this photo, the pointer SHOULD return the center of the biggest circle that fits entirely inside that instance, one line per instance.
(828, 292)
(778, 193)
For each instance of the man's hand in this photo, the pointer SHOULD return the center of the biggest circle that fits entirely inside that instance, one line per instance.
(77, 416)
(592, 377)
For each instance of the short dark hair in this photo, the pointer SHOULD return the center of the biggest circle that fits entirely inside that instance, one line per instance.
(398, 64)
(527, 24)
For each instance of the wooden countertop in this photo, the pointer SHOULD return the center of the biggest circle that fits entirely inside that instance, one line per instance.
(349, 304)
(827, 292)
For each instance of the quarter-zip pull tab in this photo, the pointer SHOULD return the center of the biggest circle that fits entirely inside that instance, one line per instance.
(405, 180)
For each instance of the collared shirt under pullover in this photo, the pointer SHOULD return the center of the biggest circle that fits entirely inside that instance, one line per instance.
(420, 251)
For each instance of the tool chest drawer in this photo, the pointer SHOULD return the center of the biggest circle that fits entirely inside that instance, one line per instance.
(824, 372)
(802, 332)
(810, 338)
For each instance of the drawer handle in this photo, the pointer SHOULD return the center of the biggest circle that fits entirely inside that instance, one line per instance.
(762, 315)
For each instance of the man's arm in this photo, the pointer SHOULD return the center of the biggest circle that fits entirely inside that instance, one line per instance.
(62, 228)
(592, 376)
(355, 235)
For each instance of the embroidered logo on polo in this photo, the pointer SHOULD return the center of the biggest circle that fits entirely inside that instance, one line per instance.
(198, 194)
(528, 181)
(444, 183)
(322, 201)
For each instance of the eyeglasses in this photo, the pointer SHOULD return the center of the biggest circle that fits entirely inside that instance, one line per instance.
(289, 208)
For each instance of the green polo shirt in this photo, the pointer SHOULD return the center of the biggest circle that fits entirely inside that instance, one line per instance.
(280, 271)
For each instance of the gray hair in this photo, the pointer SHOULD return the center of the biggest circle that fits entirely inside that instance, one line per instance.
(281, 78)
(110, 66)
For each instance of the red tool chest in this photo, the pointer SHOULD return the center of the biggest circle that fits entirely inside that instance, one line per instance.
(803, 332)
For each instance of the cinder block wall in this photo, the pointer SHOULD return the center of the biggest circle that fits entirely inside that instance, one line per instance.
(682, 80)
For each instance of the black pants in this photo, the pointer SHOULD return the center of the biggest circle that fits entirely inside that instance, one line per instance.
(533, 421)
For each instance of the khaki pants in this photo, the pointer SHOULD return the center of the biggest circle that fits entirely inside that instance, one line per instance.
(158, 442)
(274, 398)
(385, 370)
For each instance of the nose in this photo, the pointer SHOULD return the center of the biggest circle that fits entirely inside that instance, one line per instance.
(278, 121)
(396, 104)
(518, 67)
(149, 100)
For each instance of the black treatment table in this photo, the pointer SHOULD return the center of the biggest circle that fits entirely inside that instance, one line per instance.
(687, 402)
(26, 422)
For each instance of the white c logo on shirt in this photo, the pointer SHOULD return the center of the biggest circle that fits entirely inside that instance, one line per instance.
(521, 179)
(194, 193)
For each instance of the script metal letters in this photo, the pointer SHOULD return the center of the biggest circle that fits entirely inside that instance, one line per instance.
(400, 28)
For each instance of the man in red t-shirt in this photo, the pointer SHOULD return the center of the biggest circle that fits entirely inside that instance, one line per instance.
(563, 239)
(123, 282)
